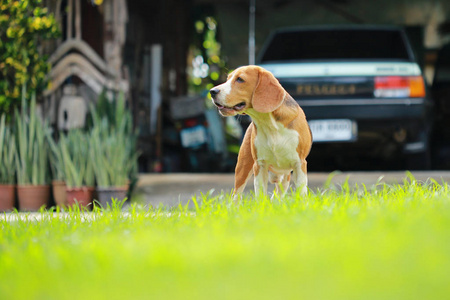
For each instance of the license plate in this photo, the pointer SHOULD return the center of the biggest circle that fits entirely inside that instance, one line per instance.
(340, 130)
(193, 137)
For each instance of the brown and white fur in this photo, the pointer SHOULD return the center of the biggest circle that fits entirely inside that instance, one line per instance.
(278, 140)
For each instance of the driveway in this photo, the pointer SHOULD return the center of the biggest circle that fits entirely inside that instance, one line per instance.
(170, 189)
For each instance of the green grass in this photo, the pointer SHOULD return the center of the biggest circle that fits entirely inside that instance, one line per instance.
(380, 242)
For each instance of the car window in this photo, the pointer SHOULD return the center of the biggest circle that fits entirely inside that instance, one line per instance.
(336, 45)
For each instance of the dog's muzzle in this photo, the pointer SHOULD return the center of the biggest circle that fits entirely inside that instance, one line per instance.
(223, 108)
(214, 92)
(238, 107)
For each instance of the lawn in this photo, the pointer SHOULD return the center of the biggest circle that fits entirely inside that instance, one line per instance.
(377, 242)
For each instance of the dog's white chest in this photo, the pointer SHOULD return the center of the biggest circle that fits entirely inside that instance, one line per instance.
(277, 146)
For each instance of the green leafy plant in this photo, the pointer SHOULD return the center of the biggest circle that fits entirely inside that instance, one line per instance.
(113, 142)
(56, 159)
(207, 67)
(114, 110)
(32, 147)
(113, 157)
(23, 27)
(7, 153)
(78, 167)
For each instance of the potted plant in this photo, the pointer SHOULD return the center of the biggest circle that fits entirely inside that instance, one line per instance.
(113, 159)
(57, 168)
(113, 148)
(7, 167)
(78, 168)
(31, 157)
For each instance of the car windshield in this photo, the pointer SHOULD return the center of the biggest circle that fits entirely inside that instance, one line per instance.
(336, 45)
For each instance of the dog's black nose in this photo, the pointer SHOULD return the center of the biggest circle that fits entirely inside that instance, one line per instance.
(214, 92)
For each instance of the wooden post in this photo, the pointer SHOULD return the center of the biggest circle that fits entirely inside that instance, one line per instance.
(115, 18)
(69, 19)
(77, 20)
(58, 19)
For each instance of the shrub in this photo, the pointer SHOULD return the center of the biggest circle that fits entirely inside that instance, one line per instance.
(23, 27)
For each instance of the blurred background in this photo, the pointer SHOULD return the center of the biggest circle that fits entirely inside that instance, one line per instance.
(165, 55)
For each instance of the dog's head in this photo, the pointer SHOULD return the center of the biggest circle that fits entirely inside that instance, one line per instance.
(249, 87)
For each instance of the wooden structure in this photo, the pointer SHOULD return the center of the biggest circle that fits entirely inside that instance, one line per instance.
(76, 62)
(111, 46)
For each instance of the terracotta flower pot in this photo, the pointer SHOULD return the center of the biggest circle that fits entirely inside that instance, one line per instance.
(7, 197)
(106, 194)
(33, 197)
(81, 196)
(59, 192)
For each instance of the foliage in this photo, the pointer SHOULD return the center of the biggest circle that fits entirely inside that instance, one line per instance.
(56, 159)
(207, 65)
(380, 242)
(7, 153)
(78, 166)
(114, 111)
(113, 157)
(113, 142)
(32, 147)
(23, 27)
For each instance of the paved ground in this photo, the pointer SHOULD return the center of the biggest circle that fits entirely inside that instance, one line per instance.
(170, 189)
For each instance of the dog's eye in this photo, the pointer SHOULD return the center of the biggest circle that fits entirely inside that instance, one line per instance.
(239, 79)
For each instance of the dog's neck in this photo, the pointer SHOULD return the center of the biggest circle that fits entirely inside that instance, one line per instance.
(263, 120)
(284, 114)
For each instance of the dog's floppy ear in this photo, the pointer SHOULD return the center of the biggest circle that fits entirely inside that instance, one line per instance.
(268, 94)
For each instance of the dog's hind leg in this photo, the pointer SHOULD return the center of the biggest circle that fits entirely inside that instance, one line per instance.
(241, 178)
(244, 165)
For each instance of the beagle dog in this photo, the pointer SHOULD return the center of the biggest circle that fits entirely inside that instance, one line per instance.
(277, 141)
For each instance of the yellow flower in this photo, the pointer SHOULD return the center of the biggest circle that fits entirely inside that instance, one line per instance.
(47, 22)
(36, 24)
(98, 2)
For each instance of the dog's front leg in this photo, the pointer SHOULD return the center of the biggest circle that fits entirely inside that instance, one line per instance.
(261, 172)
(300, 178)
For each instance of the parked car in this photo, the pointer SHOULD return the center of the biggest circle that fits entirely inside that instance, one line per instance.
(362, 91)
